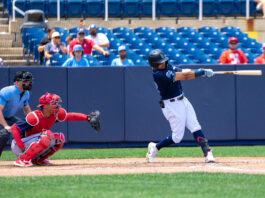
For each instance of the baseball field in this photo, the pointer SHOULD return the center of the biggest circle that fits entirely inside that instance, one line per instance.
(177, 172)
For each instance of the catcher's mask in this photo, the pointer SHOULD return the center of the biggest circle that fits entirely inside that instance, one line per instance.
(24, 76)
(53, 100)
(157, 57)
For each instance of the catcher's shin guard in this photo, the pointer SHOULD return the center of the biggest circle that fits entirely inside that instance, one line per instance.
(36, 147)
(203, 143)
(59, 142)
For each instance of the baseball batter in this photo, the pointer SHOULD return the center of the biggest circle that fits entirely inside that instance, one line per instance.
(33, 141)
(175, 106)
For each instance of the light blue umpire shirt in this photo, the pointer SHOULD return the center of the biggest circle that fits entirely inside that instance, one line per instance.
(12, 100)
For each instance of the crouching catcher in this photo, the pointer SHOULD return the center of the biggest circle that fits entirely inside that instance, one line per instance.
(33, 142)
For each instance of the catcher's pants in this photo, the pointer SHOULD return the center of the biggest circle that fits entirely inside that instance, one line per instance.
(180, 114)
(28, 141)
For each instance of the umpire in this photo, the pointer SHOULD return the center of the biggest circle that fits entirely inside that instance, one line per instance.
(12, 99)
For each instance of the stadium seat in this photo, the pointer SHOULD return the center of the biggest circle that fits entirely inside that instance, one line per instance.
(210, 8)
(146, 8)
(169, 8)
(58, 59)
(92, 61)
(75, 8)
(188, 8)
(227, 8)
(52, 8)
(94, 8)
(131, 8)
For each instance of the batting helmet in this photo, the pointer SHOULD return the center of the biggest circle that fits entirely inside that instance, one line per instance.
(51, 99)
(24, 76)
(156, 57)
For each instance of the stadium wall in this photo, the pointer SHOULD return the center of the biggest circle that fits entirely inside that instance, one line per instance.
(229, 108)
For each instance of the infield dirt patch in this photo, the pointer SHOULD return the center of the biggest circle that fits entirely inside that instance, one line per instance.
(249, 165)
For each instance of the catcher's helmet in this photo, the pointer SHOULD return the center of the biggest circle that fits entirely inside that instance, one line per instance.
(24, 76)
(52, 99)
(156, 57)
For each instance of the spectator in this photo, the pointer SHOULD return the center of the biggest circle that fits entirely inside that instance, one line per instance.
(261, 5)
(12, 99)
(232, 55)
(122, 61)
(43, 43)
(1, 62)
(98, 38)
(82, 23)
(68, 40)
(78, 60)
(87, 45)
(54, 47)
(261, 59)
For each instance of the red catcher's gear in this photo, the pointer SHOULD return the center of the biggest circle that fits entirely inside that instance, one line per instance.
(51, 99)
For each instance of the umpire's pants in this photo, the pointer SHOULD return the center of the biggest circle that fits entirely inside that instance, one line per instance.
(4, 134)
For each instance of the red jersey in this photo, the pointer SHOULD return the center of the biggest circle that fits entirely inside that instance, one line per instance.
(260, 59)
(86, 45)
(233, 57)
(35, 122)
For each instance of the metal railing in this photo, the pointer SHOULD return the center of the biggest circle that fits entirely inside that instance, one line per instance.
(16, 9)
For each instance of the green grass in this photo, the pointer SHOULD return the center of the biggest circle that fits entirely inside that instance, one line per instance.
(199, 185)
(140, 152)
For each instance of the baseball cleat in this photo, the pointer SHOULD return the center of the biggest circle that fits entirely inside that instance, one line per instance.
(152, 151)
(22, 163)
(42, 163)
(209, 157)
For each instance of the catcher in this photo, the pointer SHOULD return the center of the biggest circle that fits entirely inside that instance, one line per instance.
(33, 141)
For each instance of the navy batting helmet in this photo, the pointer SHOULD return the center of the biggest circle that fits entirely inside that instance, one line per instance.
(156, 57)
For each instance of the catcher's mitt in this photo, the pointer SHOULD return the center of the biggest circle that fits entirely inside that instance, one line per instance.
(93, 119)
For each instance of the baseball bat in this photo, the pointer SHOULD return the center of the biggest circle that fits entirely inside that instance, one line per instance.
(241, 72)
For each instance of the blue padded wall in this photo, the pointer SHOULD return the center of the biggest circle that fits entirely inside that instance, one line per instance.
(97, 88)
(51, 80)
(144, 120)
(4, 77)
(214, 102)
(251, 104)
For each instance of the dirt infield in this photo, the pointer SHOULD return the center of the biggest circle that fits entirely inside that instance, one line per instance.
(249, 165)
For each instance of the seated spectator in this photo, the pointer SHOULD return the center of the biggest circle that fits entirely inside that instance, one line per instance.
(98, 38)
(232, 55)
(261, 59)
(54, 47)
(261, 6)
(68, 40)
(87, 45)
(122, 61)
(43, 43)
(77, 60)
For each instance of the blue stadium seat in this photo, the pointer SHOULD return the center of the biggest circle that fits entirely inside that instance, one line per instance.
(115, 8)
(58, 59)
(169, 8)
(188, 8)
(164, 30)
(75, 8)
(92, 60)
(52, 8)
(241, 7)
(146, 8)
(227, 8)
(185, 29)
(210, 8)
(131, 8)
(94, 8)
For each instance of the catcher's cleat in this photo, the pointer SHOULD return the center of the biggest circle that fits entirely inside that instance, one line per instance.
(209, 157)
(22, 163)
(152, 151)
(42, 163)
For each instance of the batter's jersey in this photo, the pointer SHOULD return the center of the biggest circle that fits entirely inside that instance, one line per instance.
(13, 100)
(166, 85)
(260, 59)
(233, 57)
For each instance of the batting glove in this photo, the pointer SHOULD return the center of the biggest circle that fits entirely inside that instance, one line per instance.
(209, 72)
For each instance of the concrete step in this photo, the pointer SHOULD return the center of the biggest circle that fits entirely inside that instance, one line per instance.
(4, 28)
(3, 20)
(7, 36)
(13, 50)
(18, 63)
(14, 57)
(6, 43)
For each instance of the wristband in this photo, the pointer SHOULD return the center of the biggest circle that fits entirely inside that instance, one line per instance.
(199, 72)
